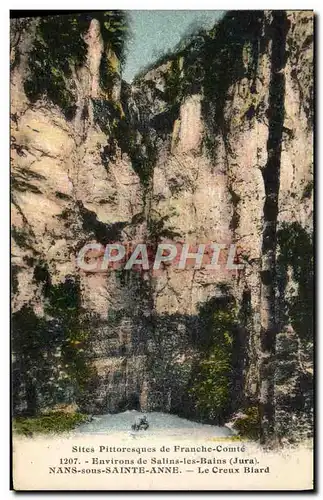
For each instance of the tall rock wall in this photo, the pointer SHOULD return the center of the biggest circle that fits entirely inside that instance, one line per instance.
(214, 144)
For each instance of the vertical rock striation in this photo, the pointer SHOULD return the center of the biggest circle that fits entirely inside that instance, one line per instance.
(211, 144)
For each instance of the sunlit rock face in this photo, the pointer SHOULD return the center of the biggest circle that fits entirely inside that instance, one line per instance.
(179, 156)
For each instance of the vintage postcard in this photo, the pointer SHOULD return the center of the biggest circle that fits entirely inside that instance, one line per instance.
(162, 250)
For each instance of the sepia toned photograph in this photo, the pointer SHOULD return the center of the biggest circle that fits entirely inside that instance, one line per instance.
(162, 281)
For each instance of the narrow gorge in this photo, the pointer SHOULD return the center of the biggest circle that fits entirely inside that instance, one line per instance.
(211, 143)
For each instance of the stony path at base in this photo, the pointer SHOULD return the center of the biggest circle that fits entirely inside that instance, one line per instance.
(159, 424)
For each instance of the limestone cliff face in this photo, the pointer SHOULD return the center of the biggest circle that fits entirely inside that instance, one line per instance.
(68, 191)
(212, 145)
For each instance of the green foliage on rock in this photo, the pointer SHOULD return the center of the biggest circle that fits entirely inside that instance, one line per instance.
(230, 54)
(123, 132)
(115, 31)
(296, 254)
(64, 304)
(59, 46)
(212, 387)
(213, 383)
(173, 82)
(248, 425)
(159, 227)
(209, 62)
(50, 352)
(56, 422)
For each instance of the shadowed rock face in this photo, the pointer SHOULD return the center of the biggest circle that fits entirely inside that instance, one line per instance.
(214, 145)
